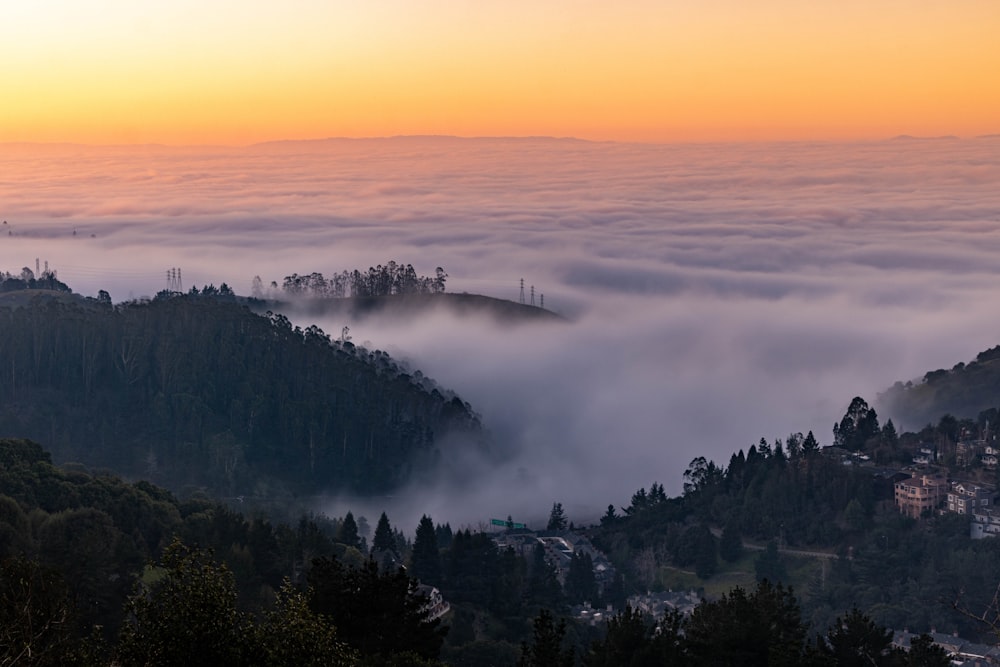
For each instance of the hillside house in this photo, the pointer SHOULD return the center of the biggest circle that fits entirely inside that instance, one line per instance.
(985, 523)
(963, 497)
(920, 493)
(989, 457)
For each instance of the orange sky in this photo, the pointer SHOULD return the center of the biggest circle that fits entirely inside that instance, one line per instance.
(235, 72)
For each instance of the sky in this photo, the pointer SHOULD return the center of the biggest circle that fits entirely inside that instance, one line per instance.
(718, 292)
(188, 72)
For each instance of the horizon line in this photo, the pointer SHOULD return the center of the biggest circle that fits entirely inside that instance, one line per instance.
(529, 137)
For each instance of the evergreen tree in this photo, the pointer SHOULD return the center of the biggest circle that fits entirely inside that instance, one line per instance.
(425, 559)
(760, 628)
(609, 516)
(857, 427)
(546, 648)
(706, 560)
(349, 532)
(557, 518)
(856, 640)
(384, 539)
(543, 585)
(377, 613)
(632, 641)
(444, 535)
(614, 593)
(581, 585)
(925, 653)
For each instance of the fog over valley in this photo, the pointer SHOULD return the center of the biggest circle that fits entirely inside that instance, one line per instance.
(715, 293)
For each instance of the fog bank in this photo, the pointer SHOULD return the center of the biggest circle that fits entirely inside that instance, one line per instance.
(719, 293)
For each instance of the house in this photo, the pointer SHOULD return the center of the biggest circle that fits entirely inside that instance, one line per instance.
(436, 606)
(920, 493)
(960, 651)
(967, 451)
(658, 604)
(985, 523)
(963, 497)
(990, 456)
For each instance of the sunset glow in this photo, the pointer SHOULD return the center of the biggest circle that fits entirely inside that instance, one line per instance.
(227, 72)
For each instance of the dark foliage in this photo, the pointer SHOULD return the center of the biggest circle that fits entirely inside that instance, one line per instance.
(193, 391)
(377, 613)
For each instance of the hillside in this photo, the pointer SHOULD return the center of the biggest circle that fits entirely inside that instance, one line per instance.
(194, 392)
(964, 392)
(411, 306)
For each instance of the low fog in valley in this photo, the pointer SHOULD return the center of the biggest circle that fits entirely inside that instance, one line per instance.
(715, 293)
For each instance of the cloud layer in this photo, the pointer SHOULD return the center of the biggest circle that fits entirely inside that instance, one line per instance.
(719, 293)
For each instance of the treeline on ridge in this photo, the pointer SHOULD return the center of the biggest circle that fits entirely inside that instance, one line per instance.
(382, 280)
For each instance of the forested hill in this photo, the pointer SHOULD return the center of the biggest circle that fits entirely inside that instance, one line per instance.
(965, 391)
(410, 306)
(192, 391)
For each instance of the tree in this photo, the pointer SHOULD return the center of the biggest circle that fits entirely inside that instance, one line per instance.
(809, 445)
(701, 474)
(609, 517)
(187, 617)
(546, 648)
(292, 635)
(769, 566)
(889, 435)
(425, 559)
(731, 544)
(925, 653)
(384, 539)
(257, 288)
(557, 518)
(543, 584)
(706, 560)
(581, 585)
(348, 533)
(35, 614)
(377, 613)
(855, 641)
(632, 641)
(440, 277)
(857, 427)
(760, 628)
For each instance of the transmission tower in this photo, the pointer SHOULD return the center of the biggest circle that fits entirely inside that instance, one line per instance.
(532, 295)
(522, 291)
(174, 280)
(541, 301)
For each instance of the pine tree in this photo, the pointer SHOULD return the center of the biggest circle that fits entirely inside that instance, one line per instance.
(349, 532)
(384, 539)
(557, 518)
(546, 647)
(425, 561)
